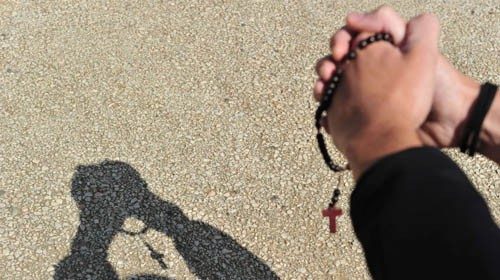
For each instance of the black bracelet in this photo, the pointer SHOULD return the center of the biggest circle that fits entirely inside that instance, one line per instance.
(470, 138)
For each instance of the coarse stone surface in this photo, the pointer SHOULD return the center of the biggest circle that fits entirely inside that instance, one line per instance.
(175, 140)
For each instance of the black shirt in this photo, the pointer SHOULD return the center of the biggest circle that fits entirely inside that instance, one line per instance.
(417, 216)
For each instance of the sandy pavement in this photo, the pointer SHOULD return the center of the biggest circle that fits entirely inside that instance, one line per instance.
(193, 121)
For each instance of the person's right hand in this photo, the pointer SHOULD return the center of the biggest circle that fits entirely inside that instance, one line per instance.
(454, 93)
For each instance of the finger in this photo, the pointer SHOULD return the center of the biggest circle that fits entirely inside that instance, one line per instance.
(422, 36)
(321, 61)
(325, 68)
(319, 86)
(383, 19)
(339, 44)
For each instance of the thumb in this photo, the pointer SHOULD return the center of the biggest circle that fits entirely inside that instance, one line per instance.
(422, 36)
(420, 50)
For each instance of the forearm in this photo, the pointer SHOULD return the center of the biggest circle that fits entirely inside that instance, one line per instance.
(416, 211)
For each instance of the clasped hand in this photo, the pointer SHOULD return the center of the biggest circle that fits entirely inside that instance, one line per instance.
(385, 95)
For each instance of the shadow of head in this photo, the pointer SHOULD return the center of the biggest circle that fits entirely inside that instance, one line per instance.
(113, 187)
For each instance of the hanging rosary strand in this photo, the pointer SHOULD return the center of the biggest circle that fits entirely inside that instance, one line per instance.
(332, 212)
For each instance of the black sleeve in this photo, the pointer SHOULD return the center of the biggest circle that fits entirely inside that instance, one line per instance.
(417, 216)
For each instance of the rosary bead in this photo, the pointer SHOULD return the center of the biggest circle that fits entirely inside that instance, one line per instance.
(324, 103)
(387, 36)
(336, 78)
(379, 36)
(336, 192)
(371, 39)
(351, 55)
(327, 99)
(362, 44)
(331, 85)
(328, 94)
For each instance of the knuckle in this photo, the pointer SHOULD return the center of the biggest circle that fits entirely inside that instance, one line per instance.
(320, 63)
(318, 87)
(432, 18)
(385, 10)
(335, 38)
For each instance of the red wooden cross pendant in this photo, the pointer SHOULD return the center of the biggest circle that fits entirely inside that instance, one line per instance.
(332, 213)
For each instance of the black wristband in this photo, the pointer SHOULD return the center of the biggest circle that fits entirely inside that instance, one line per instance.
(482, 105)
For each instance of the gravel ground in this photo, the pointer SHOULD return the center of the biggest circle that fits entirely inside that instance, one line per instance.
(174, 139)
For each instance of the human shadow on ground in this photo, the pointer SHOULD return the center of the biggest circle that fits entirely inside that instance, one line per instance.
(112, 191)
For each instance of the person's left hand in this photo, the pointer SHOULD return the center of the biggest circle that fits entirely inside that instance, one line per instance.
(385, 96)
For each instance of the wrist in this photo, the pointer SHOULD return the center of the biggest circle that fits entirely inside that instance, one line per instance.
(468, 91)
(365, 151)
(465, 90)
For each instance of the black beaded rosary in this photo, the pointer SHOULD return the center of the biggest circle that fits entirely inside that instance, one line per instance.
(332, 212)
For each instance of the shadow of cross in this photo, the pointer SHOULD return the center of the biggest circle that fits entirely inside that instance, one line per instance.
(112, 191)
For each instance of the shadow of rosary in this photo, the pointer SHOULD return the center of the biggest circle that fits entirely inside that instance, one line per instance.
(109, 193)
(155, 255)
